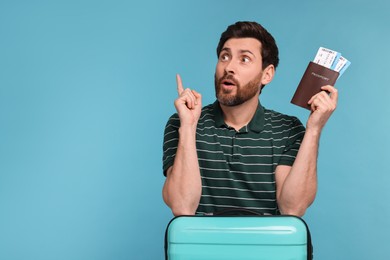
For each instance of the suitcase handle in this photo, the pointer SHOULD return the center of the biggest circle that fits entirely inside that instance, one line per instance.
(235, 212)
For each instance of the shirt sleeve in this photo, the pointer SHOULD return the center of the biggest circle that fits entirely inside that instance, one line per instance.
(171, 139)
(294, 140)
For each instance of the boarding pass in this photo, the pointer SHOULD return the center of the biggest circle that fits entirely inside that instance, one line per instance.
(332, 60)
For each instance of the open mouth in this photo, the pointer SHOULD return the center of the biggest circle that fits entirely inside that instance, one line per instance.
(228, 82)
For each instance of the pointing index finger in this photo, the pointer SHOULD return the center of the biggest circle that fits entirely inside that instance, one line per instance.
(180, 88)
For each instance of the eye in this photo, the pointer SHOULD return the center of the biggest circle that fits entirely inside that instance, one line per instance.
(224, 57)
(245, 59)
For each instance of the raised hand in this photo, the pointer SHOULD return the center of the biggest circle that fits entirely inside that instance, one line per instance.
(188, 104)
(322, 106)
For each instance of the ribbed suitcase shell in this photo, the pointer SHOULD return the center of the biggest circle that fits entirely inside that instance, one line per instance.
(238, 238)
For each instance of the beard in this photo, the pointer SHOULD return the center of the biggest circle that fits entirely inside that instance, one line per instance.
(243, 93)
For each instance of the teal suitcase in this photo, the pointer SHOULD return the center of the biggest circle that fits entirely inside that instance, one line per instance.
(237, 237)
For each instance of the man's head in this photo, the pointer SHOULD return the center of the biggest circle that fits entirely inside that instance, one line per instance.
(247, 58)
(269, 50)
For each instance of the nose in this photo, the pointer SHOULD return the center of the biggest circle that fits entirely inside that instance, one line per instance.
(230, 67)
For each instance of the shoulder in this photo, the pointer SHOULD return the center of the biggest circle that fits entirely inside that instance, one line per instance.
(173, 121)
(276, 118)
(283, 125)
(208, 110)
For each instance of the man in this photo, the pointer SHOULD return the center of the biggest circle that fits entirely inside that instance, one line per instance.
(235, 153)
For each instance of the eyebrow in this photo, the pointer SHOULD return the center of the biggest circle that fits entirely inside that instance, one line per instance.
(241, 51)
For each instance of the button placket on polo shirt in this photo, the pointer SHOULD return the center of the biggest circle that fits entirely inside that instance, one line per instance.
(236, 149)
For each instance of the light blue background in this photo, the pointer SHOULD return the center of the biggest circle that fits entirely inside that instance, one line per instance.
(86, 88)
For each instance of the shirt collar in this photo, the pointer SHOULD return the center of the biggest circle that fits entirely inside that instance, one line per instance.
(256, 124)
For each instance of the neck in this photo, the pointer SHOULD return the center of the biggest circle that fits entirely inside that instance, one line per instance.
(240, 115)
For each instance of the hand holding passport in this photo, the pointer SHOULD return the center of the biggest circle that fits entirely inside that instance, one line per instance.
(326, 68)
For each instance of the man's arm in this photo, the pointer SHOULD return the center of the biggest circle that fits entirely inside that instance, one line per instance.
(183, 187)
(297, 185)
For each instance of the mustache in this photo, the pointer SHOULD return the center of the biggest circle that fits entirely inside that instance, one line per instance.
(228, 77)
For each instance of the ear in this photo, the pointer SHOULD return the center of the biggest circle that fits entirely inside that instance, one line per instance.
(268, 74)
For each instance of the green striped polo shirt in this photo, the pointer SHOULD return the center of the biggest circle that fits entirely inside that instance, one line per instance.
(238, 167)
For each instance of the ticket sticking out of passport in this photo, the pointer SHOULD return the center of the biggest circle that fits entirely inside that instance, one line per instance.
(325, 69)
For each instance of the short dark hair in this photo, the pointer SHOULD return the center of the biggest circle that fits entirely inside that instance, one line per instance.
(269, 50)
